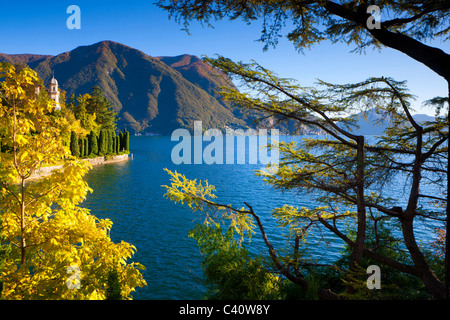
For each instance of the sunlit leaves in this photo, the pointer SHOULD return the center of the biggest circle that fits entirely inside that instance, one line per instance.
(199, 197)
(41, 219)
(188, 191)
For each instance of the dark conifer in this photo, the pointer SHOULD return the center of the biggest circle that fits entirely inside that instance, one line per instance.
(74, 147)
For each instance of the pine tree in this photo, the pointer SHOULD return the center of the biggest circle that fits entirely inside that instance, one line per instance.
(74, 147)
(103, 108)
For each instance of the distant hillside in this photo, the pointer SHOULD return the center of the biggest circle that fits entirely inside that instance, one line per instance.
(150, 94)
(197, 72)
(23, 59)
(368, 125)
(156, 94)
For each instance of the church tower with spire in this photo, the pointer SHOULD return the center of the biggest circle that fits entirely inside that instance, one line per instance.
(54, 92)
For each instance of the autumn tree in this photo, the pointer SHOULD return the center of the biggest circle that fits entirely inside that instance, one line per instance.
(58, 249)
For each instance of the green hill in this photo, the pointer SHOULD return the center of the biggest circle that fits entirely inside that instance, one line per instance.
(150, 94)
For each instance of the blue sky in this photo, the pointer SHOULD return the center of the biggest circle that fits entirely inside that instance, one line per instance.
(40, 28)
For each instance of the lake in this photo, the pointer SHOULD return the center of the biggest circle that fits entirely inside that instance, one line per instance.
(131, 195)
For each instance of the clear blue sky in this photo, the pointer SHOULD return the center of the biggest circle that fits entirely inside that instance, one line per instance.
(40, 27)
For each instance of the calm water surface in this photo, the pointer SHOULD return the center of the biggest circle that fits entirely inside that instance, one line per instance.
(131, 195)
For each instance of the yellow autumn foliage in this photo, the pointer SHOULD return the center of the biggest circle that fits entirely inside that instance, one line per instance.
(58, 249)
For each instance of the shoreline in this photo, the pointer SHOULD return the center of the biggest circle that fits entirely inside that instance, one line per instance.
(46, 171)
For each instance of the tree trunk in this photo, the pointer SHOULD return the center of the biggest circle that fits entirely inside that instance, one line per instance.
(361, 207)
(23, 243)
(358, 248)
(438, 61)
(447, 222)
(433, 284)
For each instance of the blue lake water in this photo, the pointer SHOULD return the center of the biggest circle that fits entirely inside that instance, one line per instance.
(131, 195)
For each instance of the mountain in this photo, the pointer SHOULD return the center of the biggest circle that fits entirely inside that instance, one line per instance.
(151, 94)
(372, 123)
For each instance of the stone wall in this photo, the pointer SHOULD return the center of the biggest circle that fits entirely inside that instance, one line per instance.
(45, 171)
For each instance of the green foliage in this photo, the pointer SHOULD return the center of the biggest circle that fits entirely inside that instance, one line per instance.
(121, 145)
(74, 144)
(86, 147)
(82, 146)
(346, 172)
(395, 285)
(93, 145)
(99, 105)
(111, 142)
(113, 288)
(102, 143)
(94, 111)
(126, 140)
(343, 173)
(230, 271)
(314, 21)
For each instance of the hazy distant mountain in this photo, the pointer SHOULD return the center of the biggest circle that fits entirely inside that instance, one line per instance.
(374, 124)
(151, 94)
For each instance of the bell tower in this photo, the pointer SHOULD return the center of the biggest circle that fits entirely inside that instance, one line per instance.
(54, 92)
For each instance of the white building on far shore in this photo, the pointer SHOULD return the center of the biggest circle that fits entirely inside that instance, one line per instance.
(53, 92)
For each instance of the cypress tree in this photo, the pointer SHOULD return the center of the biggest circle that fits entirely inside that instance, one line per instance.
(127, 140)
(121, 144)
(106, 141)
(81, 143)
(113, 288)
(110, 142)
(74, 147)
(113, 142)
(102, 140)
(117, 144)
(86, 147)
(93, 146)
